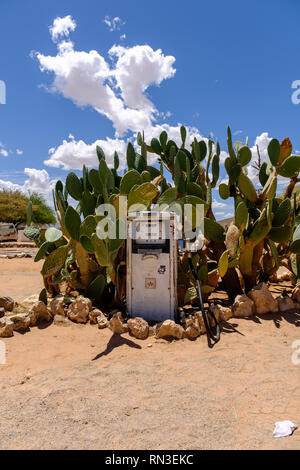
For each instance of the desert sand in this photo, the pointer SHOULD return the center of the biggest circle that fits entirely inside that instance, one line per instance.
(78, 387)
(20, 278)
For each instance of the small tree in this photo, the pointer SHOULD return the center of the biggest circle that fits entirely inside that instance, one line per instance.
(13, 208)
(42, 214)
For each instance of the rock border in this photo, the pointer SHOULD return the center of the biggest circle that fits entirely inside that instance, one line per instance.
(80, 310)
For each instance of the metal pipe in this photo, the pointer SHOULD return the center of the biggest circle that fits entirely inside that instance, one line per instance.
(209, 332)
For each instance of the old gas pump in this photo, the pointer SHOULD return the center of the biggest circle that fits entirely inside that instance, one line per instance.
(152, 265)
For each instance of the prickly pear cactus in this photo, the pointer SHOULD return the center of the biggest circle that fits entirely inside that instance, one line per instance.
(265, 228)
(260, 217)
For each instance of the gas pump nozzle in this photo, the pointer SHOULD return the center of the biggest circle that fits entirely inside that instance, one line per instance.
(192, 247)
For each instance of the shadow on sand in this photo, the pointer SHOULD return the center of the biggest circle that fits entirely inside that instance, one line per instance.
(114, 342)
(291, 316)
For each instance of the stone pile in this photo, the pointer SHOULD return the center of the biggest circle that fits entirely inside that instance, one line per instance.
(16, 255)
(259, 301)
(80, 310)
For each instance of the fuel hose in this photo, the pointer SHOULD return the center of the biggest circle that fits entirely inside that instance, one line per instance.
(210, 334)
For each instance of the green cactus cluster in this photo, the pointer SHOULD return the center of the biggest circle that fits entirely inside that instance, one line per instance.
(195, 172)
(262, 219)
(265, 230)
(77, 254)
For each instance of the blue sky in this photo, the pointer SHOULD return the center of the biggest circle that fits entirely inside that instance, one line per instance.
(235, 62)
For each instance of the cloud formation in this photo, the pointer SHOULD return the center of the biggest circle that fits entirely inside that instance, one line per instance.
(3, 152)
(62, 27)
(117, 92)
(136, 69)
(113, 24)
(37, 181)
(261, 142)
(115, 87)
(72, 154)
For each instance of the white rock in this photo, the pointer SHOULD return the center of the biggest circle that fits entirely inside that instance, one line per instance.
(263, 300)
(221, 313)
(199, 316)
(7, 303)
(243, 306)
(93, 316)
(29, 301)
(39, 313)
(21, 321)
(57, 305)
(169, 329)
(79, 310)
(138, 327)
(117, 325)
(192, 328)
(61, 320)
(6, 327)
(102, 322)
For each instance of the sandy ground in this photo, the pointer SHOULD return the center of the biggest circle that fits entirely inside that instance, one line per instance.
(20, 278)
(79, 387)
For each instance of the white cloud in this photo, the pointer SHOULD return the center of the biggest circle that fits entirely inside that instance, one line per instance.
(37, 181)
(3, 152)
(74, 154)
(174, 133)
(19, 152)
(166, 115)
(136, 69)
(223, 215)
(262, 141)
(219, 205)
(122, 37)
(223, 156)
(62, 27)
(115, 90)
(113, 24)
(65, 46)
(10, 186)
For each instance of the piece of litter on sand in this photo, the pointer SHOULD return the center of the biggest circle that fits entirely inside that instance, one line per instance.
(149, 345)
(284, 428)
